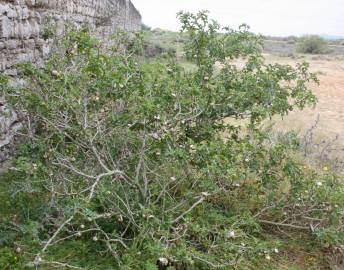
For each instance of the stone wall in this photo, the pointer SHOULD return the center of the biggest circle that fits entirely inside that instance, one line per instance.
(24, 25)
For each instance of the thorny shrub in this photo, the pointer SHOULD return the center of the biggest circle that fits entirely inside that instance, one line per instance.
(138, 158)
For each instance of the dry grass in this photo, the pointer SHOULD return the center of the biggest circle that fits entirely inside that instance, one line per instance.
(329, 130)
(330, 107)
(330, 94)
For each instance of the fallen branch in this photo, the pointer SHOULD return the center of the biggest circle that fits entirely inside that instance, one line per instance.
(284, 225)
(213, 265)
(59, 264)
(56, 233)
(189, 210)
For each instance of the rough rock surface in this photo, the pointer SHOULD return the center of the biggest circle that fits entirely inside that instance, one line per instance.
(25, 26)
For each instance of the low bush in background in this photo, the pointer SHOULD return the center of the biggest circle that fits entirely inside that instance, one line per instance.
(133, 165)
(312, 44)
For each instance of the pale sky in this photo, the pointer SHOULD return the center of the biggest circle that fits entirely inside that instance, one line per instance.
(269, 17)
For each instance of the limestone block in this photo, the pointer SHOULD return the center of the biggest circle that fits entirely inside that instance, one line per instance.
(24, 30)
(6, 27)
(3, 8)
(39, 42)
(8, 124)
(11, 44)
(3, 62)
(25, 57)
(11, 72)
(30, 3)
(11, 12)
(35, 27)
(29, 44)
(22, 12)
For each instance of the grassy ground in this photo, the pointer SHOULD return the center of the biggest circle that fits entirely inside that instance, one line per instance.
(328, 114)
(296, 252)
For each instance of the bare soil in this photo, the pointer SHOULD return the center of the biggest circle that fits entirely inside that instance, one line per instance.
(330, 94)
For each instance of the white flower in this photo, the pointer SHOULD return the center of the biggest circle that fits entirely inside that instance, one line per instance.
(163, 261)
(173, 178)
(276, 250)
(95, 238)
(82, 226)
(55, 73)
(237, 185)
(89, 219)
(319, 184)
(18, 250)
(38, 260)
(155, 135)
(247, 159)
(268, 257)
(231, 234)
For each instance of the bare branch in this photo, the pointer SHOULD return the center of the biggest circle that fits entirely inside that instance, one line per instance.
(189, 210)
(59, 265)
(284, 225)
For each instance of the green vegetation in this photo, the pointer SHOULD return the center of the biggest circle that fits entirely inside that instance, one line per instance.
(312, 44)
(133, 165)
(145, 27)
(169, 41)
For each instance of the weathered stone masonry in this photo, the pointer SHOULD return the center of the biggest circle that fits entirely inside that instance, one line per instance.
(24, 22)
